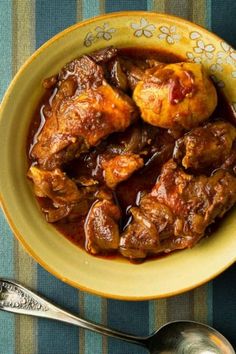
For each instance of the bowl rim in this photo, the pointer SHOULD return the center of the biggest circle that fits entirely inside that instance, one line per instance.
(11, 223)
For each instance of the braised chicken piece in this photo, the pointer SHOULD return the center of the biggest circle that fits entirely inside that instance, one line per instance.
(179, 208)
(84, 110)
(176, 95)
(119, 168)
(66, 198)
(101, 227)
(54, 185)
(205, 147)
(140, 238)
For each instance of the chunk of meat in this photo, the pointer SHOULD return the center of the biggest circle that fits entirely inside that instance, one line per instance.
(102, 56)
(205, 147)
(66, 199)
(54, 185)
(119, 168)
(101, 227)
(84, 72)
(81, 121)
(175, 96)
(140, 238)
(180, 206)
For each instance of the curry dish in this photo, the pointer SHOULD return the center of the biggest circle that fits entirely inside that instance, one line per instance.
(133, 152)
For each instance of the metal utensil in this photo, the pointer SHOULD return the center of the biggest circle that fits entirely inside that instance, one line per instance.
(175, 337)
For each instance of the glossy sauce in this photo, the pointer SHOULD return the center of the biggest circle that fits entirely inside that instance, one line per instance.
(127, 193)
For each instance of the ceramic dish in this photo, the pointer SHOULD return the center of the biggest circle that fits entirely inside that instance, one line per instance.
(157, 278)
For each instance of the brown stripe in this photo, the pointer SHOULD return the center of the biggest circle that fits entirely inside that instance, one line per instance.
(102, 6)
(200, 304)
(158, 5)
(180, 8)
(181, 307)
(160, 312)
(23, 44)
(25, 273)
(23, 31)
(79, 12)
(199, 11)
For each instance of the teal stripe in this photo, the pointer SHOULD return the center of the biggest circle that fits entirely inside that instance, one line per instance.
(54, 337)
(92, 304)
(131, 317)
(92, 311)
(52, 17)
(210, 303)
(90, 8)
(208, 14)
(7, 321)
(5, 45)
(224, 295)
(223, 20)
(125, 5)
(149, 5)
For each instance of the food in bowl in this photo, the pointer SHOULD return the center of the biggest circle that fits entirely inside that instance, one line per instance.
(132, 153)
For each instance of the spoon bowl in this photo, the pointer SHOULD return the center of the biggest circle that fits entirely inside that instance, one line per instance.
(179, 337)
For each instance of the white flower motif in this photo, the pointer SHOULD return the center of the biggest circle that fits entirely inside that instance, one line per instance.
(206, 50)
(216, 67)
(194, 35)
(193, 58)
(144, 28)
(169, 34)
(88, 39)
(228, 55)
(104, 32)
(218, 82)
(234, 74)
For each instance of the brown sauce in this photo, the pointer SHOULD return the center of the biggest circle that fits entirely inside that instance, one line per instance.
(127, 193)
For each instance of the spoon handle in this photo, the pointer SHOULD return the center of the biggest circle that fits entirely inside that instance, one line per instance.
(18, 299)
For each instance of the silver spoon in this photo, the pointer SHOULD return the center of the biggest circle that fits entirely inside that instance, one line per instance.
(183, 337)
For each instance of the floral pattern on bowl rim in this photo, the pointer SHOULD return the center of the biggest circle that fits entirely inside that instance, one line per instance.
(218, 57)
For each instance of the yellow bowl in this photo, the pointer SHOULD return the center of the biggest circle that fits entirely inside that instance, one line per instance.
(111, 278)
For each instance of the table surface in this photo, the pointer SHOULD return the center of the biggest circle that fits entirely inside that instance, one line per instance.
(24, 26)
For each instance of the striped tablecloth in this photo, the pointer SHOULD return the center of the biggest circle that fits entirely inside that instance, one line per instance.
(24, 26)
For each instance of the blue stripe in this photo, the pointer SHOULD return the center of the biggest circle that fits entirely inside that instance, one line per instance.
(54, 337)
(224, 304)
(7, 321)
(122, 5)
(223, 20)
(92, 311)
(52, 17)
(130, 317)
(90, 8)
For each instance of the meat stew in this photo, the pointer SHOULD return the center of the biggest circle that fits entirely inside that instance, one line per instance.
(133, 152)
